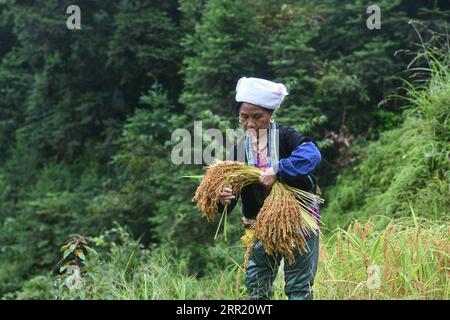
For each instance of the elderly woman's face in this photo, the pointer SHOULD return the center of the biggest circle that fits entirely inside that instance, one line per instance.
(254, 117)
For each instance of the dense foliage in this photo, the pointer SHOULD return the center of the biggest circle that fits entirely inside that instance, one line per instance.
(86, 117)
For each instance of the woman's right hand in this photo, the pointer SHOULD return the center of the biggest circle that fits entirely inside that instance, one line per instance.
(226, 196)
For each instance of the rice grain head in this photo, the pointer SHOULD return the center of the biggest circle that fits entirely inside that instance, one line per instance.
(283, 217)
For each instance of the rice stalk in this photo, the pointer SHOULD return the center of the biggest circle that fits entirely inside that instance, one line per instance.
(283, 219)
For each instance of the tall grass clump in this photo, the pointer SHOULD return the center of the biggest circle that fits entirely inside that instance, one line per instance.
(407, 260)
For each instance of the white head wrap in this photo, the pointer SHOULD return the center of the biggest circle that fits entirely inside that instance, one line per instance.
(260, 92)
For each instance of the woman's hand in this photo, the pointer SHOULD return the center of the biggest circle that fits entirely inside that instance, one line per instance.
(268, 178)
(226, 196)
(248, 222)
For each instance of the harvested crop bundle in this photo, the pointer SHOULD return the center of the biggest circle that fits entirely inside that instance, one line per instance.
(283, 218)
(217, 176)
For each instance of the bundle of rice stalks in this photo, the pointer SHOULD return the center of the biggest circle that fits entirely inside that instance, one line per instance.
(220, 174)
(283, 218)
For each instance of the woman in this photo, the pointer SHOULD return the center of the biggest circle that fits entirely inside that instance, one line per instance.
(285, 155)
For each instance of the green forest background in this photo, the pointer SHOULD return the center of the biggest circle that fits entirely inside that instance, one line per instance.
(86, 118)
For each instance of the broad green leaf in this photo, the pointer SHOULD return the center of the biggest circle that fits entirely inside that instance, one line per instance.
(66, 253)
(81, 255)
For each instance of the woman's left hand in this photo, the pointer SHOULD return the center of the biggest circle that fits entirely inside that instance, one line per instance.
(268, 178)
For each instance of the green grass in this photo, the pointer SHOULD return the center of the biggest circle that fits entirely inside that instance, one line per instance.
(411, 255)
(407, 165)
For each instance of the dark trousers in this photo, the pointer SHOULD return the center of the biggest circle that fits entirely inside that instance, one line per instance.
(299, 276)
